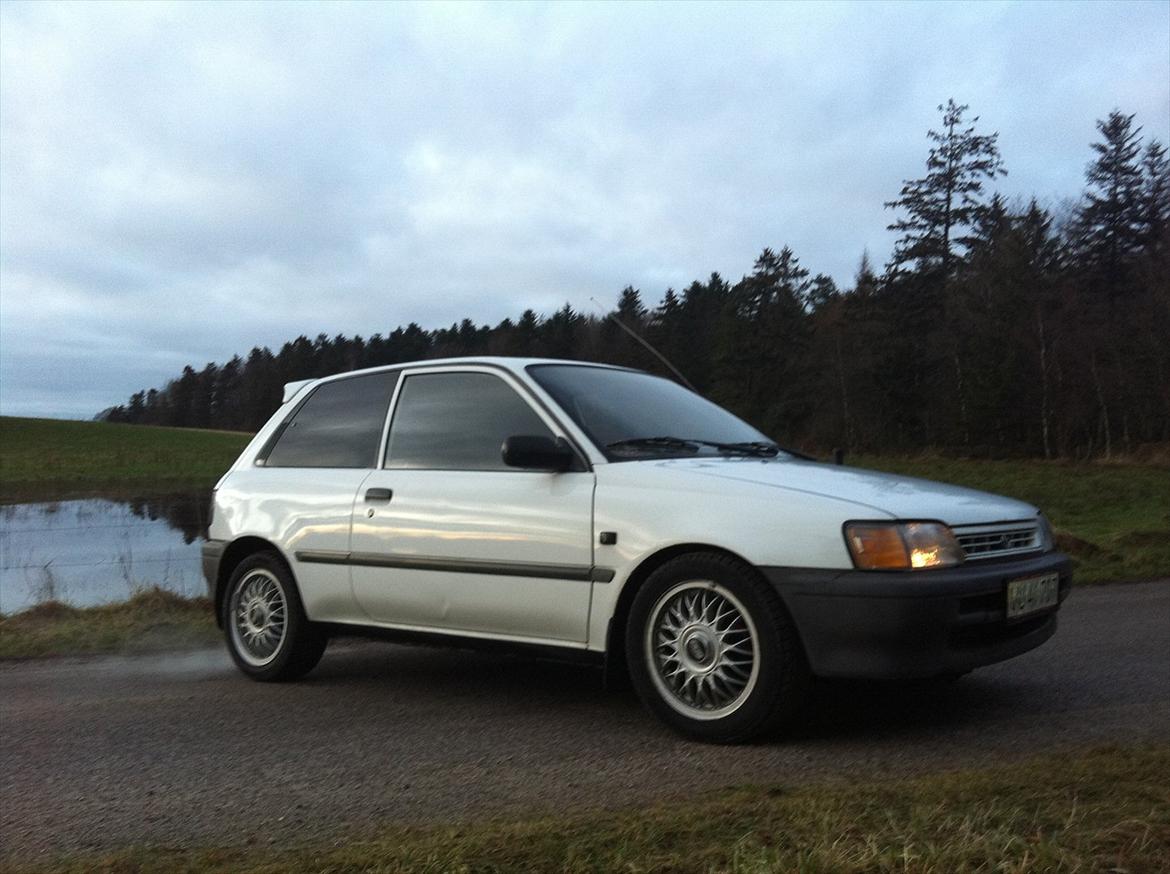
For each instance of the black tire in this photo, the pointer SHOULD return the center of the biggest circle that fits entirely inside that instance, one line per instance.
(301, 642)
(777, 686)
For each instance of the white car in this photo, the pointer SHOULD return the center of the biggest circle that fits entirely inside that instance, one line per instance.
(601, 512)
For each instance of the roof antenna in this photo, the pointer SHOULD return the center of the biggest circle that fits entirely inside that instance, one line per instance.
(645, 344)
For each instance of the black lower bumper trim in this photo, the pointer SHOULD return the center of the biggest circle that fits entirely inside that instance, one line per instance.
(914, 623)
(212, 554)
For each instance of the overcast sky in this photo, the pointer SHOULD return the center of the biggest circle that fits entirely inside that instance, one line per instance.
(179, 183)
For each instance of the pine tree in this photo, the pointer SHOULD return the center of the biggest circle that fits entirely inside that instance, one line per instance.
(617, 346)
(821, 292)
(696, 329)
(1109, 222)
(948, 199)
(225, 402)
(990, 228)
(1042, 251)
(560, 331)
(776, 288)
(630, 309)
(665, 324)
(154, 413)
(669, 306)
(865, 281)
(762, 339)
(1154, 209)
(137, 407)
(527, 334)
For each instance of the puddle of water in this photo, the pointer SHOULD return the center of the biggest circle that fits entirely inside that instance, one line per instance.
(99, 550)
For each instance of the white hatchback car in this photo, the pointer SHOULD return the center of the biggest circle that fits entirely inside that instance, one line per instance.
(602, 512)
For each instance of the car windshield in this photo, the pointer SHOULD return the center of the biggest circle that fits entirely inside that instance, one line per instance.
(630, 415)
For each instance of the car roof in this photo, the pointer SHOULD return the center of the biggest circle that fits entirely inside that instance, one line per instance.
(514, 365)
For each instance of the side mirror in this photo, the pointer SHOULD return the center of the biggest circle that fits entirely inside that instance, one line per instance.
(537, 453)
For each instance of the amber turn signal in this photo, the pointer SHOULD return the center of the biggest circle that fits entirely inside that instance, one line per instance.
(876, 546)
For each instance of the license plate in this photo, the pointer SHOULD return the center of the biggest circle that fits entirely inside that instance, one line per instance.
(1031, 594)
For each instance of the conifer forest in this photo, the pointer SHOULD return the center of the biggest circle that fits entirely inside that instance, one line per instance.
(995, 328)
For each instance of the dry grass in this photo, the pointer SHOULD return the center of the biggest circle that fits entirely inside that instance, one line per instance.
(153, 620)
(1107, 810)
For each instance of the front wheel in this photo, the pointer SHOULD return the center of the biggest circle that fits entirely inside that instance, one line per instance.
(712, 651)
(268, 634)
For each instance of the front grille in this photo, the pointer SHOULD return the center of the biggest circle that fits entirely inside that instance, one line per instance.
(1000, 539)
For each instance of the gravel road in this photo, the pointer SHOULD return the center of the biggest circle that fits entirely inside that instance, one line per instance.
(182, 750)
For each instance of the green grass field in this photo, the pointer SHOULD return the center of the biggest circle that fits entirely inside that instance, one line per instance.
(1105, 810)
(44, 459)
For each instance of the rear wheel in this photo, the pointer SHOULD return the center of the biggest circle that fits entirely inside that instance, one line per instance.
(712, 651)
(268, 634)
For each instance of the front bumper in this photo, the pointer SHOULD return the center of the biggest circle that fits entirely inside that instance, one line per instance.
(904, 624)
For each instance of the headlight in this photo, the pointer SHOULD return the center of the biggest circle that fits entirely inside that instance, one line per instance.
(902, 545)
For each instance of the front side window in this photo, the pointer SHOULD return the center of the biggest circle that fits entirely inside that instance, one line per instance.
(457, 421)
(629, 414)
(339, 425)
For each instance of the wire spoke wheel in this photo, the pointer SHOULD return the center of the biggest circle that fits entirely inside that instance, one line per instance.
(702, 648)
(259, 617)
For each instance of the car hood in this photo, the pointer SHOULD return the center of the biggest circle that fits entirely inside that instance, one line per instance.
(889, 494)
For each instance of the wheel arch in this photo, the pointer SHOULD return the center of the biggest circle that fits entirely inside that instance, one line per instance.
(236, 552)
(615, 635)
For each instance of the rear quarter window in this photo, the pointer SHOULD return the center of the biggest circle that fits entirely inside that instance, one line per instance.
(338, 425)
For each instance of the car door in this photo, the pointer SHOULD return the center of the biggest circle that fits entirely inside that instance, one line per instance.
(446, 537)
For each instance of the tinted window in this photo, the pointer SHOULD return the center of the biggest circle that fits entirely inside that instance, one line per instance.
(612, 405)
(457, 421)
(340, 425)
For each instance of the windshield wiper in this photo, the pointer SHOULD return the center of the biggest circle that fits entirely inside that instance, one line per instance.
(759, 448)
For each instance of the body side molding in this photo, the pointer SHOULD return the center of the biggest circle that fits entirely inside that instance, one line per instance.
(581, 573)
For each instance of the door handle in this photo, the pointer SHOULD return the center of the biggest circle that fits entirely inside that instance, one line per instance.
(378, 495)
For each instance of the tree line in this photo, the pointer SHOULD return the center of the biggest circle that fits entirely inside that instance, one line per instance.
(996, 327)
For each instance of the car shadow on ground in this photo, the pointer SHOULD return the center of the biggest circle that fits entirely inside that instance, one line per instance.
(851, 709)
(837, 710)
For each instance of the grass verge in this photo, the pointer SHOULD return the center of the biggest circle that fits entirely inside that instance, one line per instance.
(1106, 810)
(1113, 519)
(153, 620)
(44, 459)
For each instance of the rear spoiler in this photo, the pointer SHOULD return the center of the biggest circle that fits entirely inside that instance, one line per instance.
(291, 389)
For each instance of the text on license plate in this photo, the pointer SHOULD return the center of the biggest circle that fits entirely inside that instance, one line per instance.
(1031, 594)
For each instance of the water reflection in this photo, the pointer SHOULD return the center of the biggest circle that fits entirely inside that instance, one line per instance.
(97, 550)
